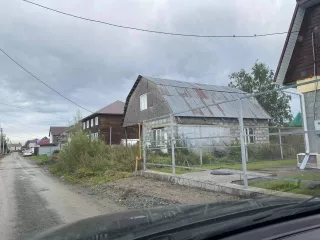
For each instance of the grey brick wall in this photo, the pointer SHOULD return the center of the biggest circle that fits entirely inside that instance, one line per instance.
(311, 114)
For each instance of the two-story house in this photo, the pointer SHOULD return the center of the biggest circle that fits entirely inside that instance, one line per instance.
(56, 134)
(300, 63)
(106, 124)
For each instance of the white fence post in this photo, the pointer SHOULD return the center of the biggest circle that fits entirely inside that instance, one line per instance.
(144, 146)
(280, 141)
(172, 146)
(243, 147)
(200, 146)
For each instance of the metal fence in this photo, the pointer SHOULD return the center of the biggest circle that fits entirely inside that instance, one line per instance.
(168, 144)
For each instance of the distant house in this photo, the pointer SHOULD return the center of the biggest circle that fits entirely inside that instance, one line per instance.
(46, 147)
(13, 147)
(191, 106)
(57, 134)
(300, 62)
(106, 124)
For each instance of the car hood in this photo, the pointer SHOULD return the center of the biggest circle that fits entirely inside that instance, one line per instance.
(134, 222)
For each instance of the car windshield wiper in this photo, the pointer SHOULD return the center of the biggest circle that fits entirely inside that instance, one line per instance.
(198, 221)
(241, 219)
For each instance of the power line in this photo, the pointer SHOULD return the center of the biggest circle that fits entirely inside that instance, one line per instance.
(10, 125)
(154, 31)
(28, 109)
(35, 77)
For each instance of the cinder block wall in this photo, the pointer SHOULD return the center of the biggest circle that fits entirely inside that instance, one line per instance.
(311, 113)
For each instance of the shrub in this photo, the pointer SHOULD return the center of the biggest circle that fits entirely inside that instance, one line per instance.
(83, 157)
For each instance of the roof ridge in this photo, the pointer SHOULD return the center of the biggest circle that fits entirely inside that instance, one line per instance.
(232, 90)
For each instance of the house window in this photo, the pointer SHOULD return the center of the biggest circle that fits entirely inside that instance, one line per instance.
(96, 121)
(249, 135)
(158, 137)
(92, 122)
(88, 124)
(143, 102)
(84, 125)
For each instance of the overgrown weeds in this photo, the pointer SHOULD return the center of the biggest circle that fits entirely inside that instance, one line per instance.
(83, 159)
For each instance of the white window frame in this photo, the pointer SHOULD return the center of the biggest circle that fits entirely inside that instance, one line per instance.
(92, 122)
(249, 139)
(158, 137)
(88, 124)
(84, 125)
(96, 120)
(143, 102)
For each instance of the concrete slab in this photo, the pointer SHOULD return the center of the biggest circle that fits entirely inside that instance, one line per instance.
(223, 187)
(223, 175)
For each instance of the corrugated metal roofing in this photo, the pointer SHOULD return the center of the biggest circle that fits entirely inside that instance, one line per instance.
(185, 96)
(115, 108)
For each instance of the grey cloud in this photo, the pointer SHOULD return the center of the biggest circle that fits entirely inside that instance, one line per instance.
(94, 64)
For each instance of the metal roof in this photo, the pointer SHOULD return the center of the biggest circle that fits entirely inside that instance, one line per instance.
(115, 108)
(54, 131)
(195, 100)
(292, 37)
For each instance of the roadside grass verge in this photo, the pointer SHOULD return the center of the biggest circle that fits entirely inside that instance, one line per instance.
(84, 160)
(178, 170)
(286, 186)
(41, 159)
(257, 165)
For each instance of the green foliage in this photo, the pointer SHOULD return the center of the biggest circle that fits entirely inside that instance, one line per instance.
(42, 159)
(83, 158)
(253, 165)
(277, 104)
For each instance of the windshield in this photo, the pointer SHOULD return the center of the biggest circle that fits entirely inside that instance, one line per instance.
(117, 106)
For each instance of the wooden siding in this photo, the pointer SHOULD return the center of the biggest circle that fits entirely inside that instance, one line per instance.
(157, 106)
(301, 63)
(117, 131)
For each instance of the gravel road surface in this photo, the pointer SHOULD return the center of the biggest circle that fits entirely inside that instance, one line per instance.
(31, 201)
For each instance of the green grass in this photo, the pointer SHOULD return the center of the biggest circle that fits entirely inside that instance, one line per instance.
(255, 165)
(87, 176)
(315, 176)
(178, 170)
(286, 186)
(41, 159)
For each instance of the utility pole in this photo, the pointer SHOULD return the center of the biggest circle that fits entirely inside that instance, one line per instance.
(0, 137)
(2, 141)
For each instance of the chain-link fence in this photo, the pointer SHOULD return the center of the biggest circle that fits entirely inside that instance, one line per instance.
(252, 149)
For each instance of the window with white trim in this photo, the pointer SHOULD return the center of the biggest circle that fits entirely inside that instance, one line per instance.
(249, 135)
(96, 121)
(143, 102)
(84, 125)
(92, 122)
(88, 124)
(158, 136)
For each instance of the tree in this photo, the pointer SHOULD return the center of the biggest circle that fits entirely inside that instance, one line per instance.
(277, 104)
(76, 124)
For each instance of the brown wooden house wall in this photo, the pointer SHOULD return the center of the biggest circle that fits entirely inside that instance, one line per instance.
(117, 131)
(302, 63)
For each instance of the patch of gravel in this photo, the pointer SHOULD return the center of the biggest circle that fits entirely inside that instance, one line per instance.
(140, 192)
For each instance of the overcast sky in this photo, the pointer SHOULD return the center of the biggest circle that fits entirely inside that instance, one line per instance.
(95, 64)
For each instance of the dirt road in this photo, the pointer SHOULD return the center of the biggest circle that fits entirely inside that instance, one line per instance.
(31, 201)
